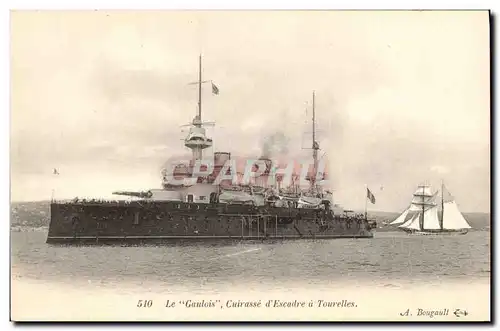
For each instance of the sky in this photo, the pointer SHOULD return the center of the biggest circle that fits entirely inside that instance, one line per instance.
(401, 97)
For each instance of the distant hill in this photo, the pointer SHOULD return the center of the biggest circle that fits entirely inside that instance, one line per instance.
(30, 214)
(37, 214)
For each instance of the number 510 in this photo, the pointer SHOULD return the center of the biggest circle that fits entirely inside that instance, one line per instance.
(145, 303)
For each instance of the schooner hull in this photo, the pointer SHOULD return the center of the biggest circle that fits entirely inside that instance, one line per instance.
(435, 232)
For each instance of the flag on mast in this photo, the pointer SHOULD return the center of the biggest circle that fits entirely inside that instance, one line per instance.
(370, 195)
(215, 89)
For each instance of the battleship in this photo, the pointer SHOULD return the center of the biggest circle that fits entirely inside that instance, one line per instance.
(205, 200)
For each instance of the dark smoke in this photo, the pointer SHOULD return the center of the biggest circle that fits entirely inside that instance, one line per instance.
(275, 144)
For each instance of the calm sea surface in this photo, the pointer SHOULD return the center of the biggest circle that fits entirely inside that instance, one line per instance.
(391, 259)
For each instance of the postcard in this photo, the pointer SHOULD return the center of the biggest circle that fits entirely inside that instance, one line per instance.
(323, 165)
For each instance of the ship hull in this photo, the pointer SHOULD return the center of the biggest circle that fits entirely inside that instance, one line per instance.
(165, 222)
(159, 240)
(436, 232)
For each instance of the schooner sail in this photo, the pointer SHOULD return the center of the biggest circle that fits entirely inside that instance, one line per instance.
(401, 218)
(425, 218)
(412, 223)
(453, 217)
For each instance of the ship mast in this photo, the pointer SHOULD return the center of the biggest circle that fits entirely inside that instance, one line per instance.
(199, 94)
(315, 145)
(197, 139)
(423, 210)
(423, 199)
(441, 224)
(423, 196)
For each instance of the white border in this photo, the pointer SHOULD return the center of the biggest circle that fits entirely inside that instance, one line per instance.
(254, 4)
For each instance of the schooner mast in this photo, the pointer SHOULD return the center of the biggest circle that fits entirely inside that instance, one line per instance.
(423, 198)
(442, 206)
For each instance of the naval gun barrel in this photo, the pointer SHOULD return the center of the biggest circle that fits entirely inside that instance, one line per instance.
(146, 194)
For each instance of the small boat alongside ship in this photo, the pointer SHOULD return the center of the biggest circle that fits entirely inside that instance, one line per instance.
(429, 215)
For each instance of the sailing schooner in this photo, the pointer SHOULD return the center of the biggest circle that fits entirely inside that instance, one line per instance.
(430, 217)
